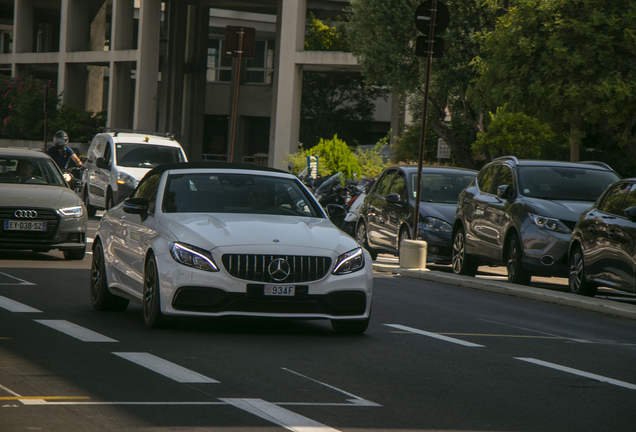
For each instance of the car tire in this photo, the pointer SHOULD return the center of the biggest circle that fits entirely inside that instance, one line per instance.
(361, 237)
(90, 210)
(577, 281)
(514, 256)
(101, 298)
(350, 326)
(75, 254)
(153, 317)
(109, 200)
(404, 235)
(462, 262)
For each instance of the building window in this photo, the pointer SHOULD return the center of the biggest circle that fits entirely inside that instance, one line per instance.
(260, 68)
(7, 42)
(219, 66)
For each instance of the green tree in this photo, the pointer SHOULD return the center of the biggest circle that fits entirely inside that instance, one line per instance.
(516, 134)
(337, 102)
(382, 36)
(371, 161)
(564, 61)
(81, 126)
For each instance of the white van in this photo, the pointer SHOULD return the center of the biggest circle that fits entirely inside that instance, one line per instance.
(116, 161)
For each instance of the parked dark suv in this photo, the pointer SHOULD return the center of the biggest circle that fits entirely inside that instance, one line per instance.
(521, 213)
(603, 244)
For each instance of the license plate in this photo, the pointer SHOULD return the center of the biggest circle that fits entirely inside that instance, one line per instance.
(279, 290)
(24, 226)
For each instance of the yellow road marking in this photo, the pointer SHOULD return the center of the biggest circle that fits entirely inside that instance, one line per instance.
(45, 397)
(494, 335)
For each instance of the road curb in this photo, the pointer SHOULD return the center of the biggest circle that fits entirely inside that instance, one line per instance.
(568, 299)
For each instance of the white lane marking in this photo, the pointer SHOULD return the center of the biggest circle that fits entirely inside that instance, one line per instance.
(78, 332)
(22, 282)
(280, 416)
(14, 306)
(165, 368)
(435, 335)
(356, 399)
(578, 372)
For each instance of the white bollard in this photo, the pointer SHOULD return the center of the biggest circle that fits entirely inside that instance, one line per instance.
(413, 254)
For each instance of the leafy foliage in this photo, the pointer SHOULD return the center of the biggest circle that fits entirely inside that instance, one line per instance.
(81, 126)
(371, 161)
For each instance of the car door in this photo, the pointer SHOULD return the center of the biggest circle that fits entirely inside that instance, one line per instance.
(95, 178)
(597, 230)
(479, 233)
(394, 213)
(376, 217)
(494, 220)
(622, 236)
(140, 230)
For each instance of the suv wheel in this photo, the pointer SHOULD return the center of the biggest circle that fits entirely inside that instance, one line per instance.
(90, 210)
(462, 263)
(516, 273)
(577, 280)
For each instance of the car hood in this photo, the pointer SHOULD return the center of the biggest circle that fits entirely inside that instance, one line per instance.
(38, 196)
(565, 210)
(443, 211)
(210, 231)
(137, 173)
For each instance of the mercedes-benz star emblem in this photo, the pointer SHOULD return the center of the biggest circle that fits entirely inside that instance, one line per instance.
(25, 214)
(279, 269)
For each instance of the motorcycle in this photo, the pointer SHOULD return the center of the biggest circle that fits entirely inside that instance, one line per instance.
(73, 176)
(353, 206)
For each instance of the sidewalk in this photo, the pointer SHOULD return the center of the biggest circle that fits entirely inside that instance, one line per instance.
(551, 290)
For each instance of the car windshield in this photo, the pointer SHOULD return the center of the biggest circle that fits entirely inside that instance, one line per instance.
(564, 183)
(146, 155)
(29, 170)
(442, 187)
(237, 193)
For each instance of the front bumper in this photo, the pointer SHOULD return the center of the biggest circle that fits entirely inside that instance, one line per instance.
(439, 248)
(545, 252)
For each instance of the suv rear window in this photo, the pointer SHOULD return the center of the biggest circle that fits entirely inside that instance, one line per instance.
(564, 183)
(145, 155)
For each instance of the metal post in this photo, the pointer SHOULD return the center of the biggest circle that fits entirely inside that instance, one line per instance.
(429, 61)
(237, 82)
(46, 94)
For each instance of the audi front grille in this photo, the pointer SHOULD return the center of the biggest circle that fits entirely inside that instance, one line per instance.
(50, 216)
(255, 267)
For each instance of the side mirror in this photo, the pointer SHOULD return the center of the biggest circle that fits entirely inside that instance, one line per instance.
(76, 183)
(336, 212)
(138, 206)
(504, 192)
(630, 212)
(101, 163)
(393, 199)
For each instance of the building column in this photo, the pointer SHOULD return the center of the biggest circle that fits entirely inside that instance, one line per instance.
(120, 89)
(23, 23)
(288, 77)
(95, 84)
(121, 33)
(145, 109)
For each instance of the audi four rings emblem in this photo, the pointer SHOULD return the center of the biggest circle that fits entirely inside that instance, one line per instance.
(279, 269)
(25, 214)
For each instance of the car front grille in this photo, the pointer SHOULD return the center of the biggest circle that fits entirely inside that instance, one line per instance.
(255, 267)
(214, 300)
(8, 213)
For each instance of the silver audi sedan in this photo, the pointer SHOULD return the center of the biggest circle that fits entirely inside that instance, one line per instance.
(206, 239)
(38, 209)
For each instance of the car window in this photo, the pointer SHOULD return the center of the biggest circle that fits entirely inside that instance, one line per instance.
(486, 178)
(442, 187)
(148, 189)
(30, 170)
(614, 198)
(384, 182)
(237, 193)
(564, 183)
(505, 177)
(630, 199)
(108, 155)
(399, 185)
(146, 155)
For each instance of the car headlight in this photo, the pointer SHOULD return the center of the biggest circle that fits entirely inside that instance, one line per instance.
(193, 256)
(75, 212)
(349, 262)
(549, 223)
(434, 224)
(126, 179)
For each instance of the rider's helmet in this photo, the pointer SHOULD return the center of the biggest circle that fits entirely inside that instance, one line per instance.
(60, 139)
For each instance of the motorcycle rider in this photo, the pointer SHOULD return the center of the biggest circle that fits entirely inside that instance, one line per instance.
(61, 152)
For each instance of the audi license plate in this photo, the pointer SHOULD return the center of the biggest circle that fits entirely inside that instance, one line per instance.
(279, 290)
(10, 225)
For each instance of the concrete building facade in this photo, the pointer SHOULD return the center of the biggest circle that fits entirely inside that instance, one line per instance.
(159, 66)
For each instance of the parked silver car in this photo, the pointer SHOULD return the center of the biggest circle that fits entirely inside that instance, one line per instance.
(38, 210)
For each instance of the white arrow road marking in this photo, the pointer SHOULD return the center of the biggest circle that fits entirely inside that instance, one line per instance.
(280, 416)
(14, 306)
(578, 372)
(165, 368)
(434, 335)
(78, 332)
(21, 282)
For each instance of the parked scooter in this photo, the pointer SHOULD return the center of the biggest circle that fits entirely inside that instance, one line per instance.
(354, 205)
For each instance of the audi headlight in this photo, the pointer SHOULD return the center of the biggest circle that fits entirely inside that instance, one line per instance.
(75, 212)
(434, 224)
(126, 179)
(549, 223)
(193, 256)
(349, 262)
